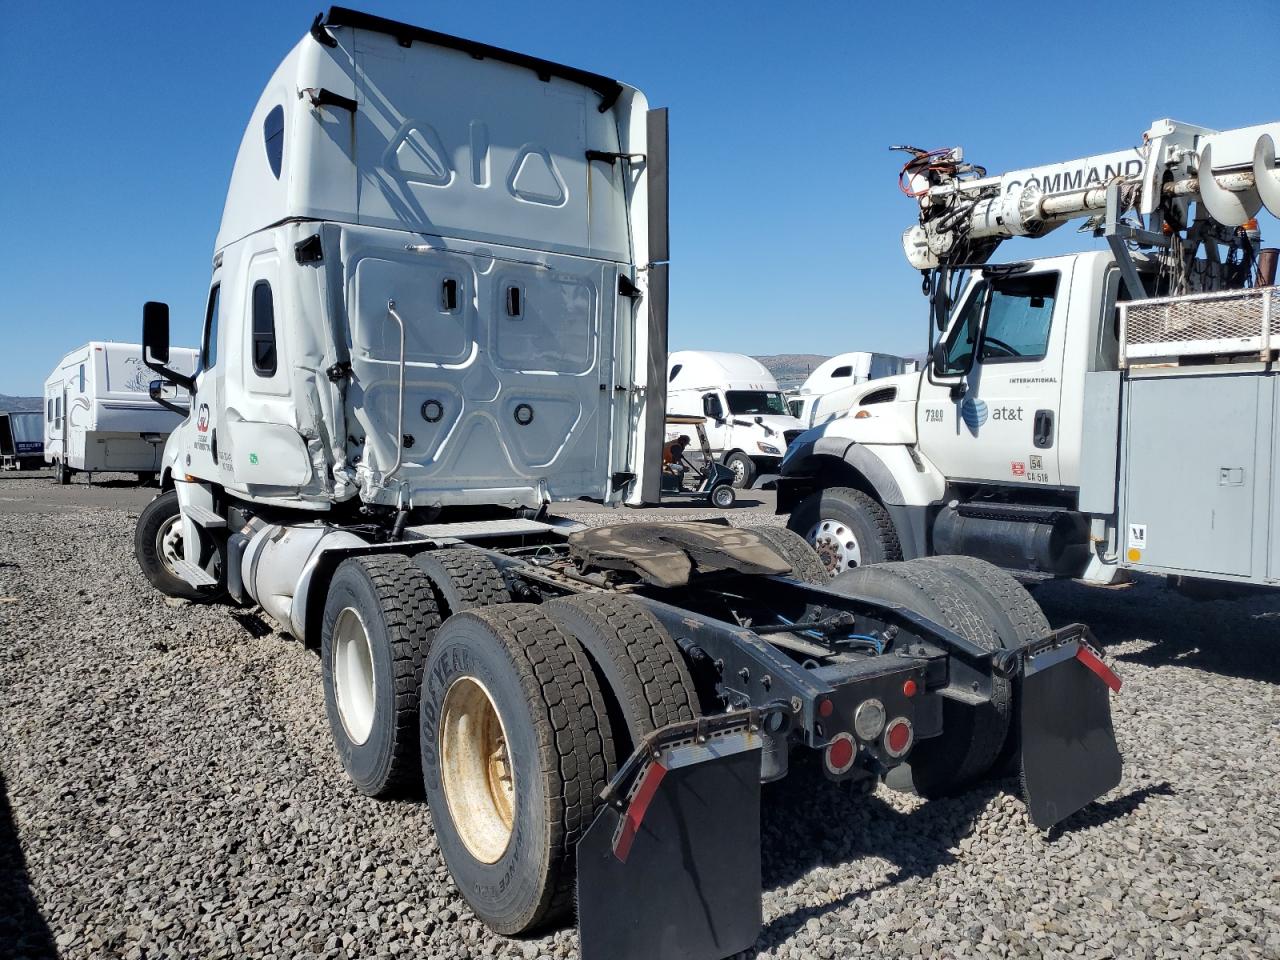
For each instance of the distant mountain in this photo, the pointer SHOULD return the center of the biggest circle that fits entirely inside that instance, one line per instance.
(20, 403)
(791, 369)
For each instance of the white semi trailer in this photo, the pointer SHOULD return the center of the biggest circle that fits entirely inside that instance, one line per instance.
(1082, 415)
(438, 304)
(99, 412)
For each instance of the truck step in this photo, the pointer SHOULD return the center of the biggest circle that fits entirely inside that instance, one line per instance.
(203, 517)
(479, 529)
(194, 575)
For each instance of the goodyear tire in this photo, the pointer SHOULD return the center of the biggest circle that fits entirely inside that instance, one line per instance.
(515, 751)
(379, 619)
(806, 566)
(1017, 619)
(972, 737)
(463, 578)
(846, 528)
(640, 669)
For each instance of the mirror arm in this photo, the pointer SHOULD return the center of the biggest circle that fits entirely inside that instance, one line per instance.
(181, 379)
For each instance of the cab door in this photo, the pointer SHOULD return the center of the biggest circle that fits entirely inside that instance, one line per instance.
(989, 404)
(202, 456)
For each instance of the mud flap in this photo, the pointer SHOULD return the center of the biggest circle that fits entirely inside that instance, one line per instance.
(674, 870)
(1069, 752)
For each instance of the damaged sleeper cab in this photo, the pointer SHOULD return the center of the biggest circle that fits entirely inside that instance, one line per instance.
(438, 305)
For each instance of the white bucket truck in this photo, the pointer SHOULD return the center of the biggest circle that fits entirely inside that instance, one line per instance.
(836, 385)
(100, 415)
(1082, 415)
(748, 423)
(438, 304)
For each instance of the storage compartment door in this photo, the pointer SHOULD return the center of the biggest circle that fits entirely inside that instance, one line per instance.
(1190, 473)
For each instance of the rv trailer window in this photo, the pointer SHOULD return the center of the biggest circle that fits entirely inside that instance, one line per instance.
(264, 330)
(842, 372)
(273, 139)
(49, 415)
(209, 347)
(82, 378)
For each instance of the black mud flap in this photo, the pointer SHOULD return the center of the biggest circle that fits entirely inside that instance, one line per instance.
(1069, 752)
(674, 870)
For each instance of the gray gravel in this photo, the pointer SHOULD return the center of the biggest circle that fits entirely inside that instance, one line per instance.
(171, 792)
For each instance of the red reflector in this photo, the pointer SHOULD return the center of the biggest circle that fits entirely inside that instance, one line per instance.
(897, 738)
(634, 816)
(909, 688)
(825, 707)
(840, 753)
(1105, 673)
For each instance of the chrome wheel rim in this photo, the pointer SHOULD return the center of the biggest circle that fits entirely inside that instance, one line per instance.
(836, 545)
(476, 769)
(353, 675)
(739, 471)
(169, 544)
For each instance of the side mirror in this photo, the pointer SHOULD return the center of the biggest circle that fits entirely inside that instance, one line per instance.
(938, 360)
(155, 331)
(156, 390)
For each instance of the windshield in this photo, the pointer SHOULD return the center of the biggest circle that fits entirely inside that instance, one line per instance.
(756, 402)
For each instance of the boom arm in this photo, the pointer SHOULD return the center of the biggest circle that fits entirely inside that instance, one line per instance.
(965, 214)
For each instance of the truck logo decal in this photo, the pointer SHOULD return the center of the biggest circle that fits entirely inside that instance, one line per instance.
(973, 412)
(202, 421)
(1019, 468)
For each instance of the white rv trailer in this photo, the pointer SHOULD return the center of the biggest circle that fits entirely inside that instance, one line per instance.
(21, 440)
(99, 414)
(830, 391)
(748, 425)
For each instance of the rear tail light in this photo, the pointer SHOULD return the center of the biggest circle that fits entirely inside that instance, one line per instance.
(898, 737)
(840, 753)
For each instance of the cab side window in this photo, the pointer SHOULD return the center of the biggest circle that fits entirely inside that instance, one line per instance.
(209, 345)
(1019, 317)
(264, 330)
(964, 332)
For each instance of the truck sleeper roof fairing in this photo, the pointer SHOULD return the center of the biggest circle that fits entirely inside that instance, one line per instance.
(351, 128)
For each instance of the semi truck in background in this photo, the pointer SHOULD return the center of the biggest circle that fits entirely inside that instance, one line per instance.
(748, 422)
(437, 305)
(1085, 415)
(100, 415)
(835, 386)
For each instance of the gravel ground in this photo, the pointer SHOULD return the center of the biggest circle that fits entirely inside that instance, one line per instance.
(169, 791)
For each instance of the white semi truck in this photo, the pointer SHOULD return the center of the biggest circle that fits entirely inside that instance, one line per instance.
(748, 423)
(437, 305)
(1082, 415)
(836, 385)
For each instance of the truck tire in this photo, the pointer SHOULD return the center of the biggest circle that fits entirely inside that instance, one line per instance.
(846, 528)
(743, 467)
(157, 541)
(463, 578)
(1017, 618)
(972, 737)
(793, 548)
(516, 748)
(639, 667)
(379, 619)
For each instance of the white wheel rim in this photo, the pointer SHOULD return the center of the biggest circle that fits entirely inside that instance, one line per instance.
(836, 545)
(353, 675)
(169, 544)
(476, 770)
(739, 470)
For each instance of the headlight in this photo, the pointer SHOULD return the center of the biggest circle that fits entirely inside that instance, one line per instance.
(769, 449)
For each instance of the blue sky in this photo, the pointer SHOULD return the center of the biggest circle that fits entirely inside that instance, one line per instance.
(122, 121)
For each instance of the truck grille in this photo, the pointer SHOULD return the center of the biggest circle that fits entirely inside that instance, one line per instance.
(1231, 321)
